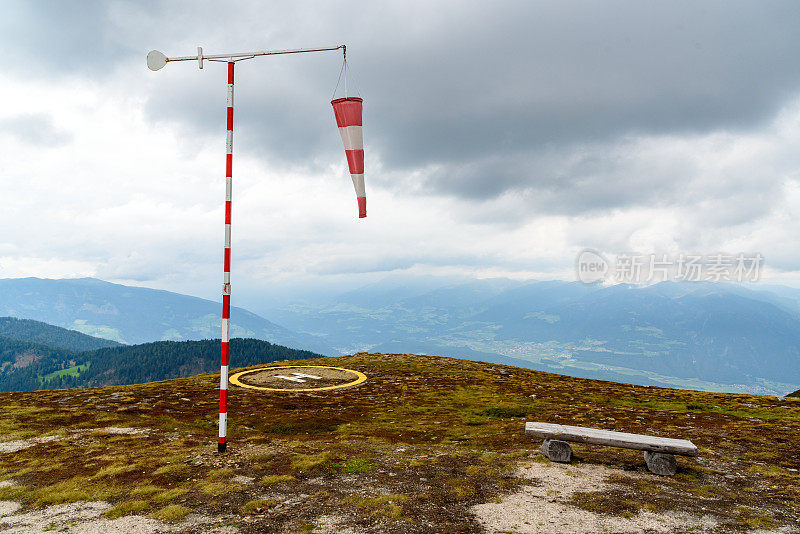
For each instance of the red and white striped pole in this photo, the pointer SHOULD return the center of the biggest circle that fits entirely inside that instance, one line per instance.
(352, 139)
(226, 269)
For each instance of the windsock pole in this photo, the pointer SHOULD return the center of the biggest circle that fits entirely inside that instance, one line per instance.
(355, 156)
(226, 274)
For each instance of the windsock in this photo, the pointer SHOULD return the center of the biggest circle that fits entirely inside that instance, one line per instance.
(348, 119)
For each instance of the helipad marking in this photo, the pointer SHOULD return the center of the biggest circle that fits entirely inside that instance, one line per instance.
(298, 377)
(360, 377)
(292, 378)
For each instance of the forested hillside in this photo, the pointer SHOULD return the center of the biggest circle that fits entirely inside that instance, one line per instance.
(29, 366)
(52, 336)
(174, 359)
(23, 363)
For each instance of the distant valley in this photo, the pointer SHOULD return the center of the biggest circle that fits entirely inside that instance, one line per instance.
(719, 337)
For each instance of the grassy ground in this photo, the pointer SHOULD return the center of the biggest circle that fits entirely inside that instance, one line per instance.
(411, 449)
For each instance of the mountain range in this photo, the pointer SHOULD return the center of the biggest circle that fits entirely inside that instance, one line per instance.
(132, 315)
(721, 337)
(713, 336)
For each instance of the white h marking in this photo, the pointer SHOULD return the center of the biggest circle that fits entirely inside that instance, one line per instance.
(298, 377)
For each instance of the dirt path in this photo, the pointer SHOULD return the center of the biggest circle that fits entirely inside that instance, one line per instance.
(86, 518)
(545, 506)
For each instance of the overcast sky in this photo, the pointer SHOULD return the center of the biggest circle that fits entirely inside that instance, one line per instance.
(501, 139)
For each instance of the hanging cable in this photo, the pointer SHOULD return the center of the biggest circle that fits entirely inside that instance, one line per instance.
(339, 79)
(345, 71)
(353, 79)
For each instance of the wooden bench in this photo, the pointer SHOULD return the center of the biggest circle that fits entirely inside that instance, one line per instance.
(658, 452)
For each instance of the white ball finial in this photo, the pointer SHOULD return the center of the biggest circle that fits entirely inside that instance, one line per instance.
(156, 60)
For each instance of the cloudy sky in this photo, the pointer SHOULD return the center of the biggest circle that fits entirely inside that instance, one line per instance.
(501, 138)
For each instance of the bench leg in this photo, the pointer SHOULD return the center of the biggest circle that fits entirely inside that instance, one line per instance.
(557, 451)
(661, 463)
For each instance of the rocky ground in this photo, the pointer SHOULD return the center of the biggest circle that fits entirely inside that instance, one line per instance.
(424, 445)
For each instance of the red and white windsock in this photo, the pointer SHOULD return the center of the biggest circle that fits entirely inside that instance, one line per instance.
(348, 119)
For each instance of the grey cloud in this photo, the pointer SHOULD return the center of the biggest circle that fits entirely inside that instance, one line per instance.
(482, 91)
(74, 38)
(482, 94)
(443, 83)
(585, 179)
(565, 73)
(34, 128)
(405, 260)
(371, 265)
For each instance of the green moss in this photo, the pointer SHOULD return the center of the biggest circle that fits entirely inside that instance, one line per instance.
(10, 493)
(258, 506)
(171, 513)
(271, 480)
(489, 457)
(145, 490)
(507, 412)
(115, 470)
(218, 474)
(73, 490)
(126, 508)
(216, 488)
(264, 457)
(461, 488)
(382, 505)
(480, 470)
(605, 503)
(768, 470)
(308, 462)
(760, 522)
(351, 465)
(706, 491)
(170, 494)
(172, 469)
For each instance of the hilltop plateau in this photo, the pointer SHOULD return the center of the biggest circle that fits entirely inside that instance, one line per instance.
(425, 444)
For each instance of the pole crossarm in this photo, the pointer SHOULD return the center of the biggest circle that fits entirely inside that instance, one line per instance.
(156, 60)
(254, 54)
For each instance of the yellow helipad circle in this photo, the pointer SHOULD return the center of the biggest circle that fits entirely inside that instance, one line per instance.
(298, 379)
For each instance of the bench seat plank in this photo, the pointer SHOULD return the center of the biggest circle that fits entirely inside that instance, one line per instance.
(613, 439)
